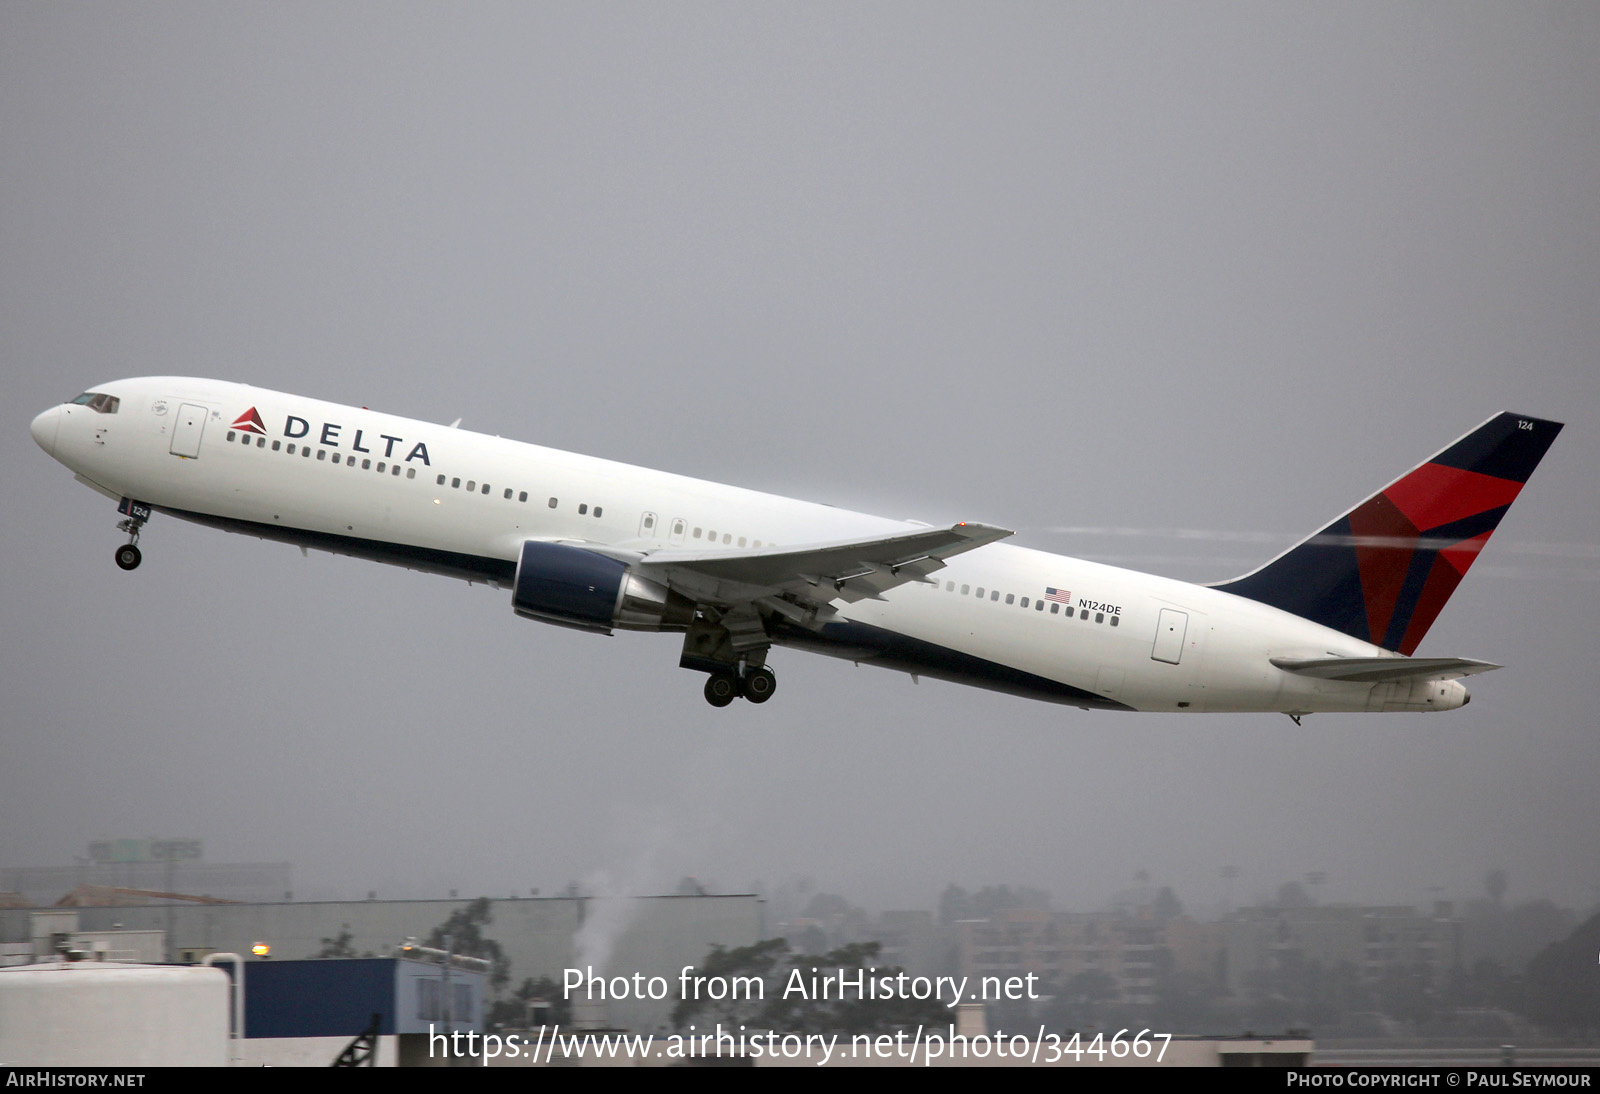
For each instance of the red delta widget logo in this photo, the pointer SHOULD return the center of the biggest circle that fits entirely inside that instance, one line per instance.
(295, 427)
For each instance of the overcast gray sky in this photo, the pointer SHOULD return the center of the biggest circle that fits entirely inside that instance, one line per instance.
(1062, 267)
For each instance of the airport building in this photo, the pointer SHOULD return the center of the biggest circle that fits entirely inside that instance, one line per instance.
(539, 936)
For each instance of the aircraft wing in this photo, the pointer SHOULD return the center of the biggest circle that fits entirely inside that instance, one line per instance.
(799, 581)
(1372, 670)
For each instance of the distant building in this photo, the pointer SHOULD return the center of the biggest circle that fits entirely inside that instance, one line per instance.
(1057, 946)
(1374, 941)
(163, 865)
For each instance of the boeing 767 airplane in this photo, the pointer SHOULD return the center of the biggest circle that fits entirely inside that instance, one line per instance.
(1329, 625)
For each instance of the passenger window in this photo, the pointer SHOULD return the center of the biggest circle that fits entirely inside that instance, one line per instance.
(336, 457)
(508, 493)
(322, 453)
(366, 465)
(1038, 605)
(741, 541)
(290, 450)
(949, 586)
(485, 488)
(1024, 602)
(965, 589)
(757, 543)
(1011, 598)
(980, 592)
(411, 472)
(994, 594)
(455, 484)
(305, 451)
(583, 508)
(1114, 620)
(1099, 617)
(697, 533)
(261, 442)
(597, 512)
(1055, 609)
(380, 467)
(1084, 614)
(440, 482)
(277, 445)
(471, 485)
(522, 496)
(712, 536)
(395, 470)
(552, 503)
(232, 436)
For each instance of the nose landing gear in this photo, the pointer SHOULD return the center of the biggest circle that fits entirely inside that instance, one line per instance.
(128, 555)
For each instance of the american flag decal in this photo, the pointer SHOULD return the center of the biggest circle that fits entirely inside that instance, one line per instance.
(1060, 596)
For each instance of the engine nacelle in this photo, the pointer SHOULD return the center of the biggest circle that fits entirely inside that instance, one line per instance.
(574, 587)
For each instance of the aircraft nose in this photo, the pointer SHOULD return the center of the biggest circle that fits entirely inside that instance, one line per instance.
(44, 429)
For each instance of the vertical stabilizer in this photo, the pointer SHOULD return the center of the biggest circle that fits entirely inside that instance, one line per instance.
(1383, 571)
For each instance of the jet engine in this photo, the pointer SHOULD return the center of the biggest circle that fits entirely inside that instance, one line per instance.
(575, 587)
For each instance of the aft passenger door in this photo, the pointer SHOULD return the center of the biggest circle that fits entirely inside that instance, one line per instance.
(1170, 630)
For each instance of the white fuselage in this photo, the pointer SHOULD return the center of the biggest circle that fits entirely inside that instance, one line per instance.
(360, 482)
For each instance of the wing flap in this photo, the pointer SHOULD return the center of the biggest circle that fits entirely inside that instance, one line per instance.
(847, 570)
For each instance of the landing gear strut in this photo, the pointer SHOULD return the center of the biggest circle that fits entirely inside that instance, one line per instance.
(128, 555)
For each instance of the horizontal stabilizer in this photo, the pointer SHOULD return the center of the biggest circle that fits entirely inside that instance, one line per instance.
(1375, 670)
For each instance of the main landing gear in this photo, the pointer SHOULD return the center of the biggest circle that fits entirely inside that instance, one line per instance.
(756, 685)
(730, 646)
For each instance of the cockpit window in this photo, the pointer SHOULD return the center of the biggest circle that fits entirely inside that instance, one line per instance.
(99, 402)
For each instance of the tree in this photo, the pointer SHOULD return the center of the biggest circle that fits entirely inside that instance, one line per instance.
(464, 929)
(802, 1008)
(791, 997)
(1167, 905)
(742, 965)
(337, 946)
(1561, 989)
(1291, 894)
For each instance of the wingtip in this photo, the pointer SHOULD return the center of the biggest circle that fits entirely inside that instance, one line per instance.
(975, 530)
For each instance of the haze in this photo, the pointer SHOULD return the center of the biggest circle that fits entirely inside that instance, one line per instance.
(1161, 285)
